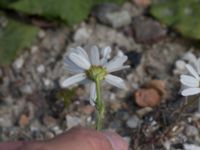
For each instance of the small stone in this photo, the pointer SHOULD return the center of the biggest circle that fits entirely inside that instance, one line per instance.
(133, 122)
(191, 147)
(191, 131)
(88, 109)
(41, 34)
(180, 64)
(6, 122)
(147, 97)
(57, 130)
(23, 120)
(82, 34)
(147, 30)
(190, 57)
(26, 89)
(18, 63)
(118, 19)
(72, 121)
(111, 14)
(144, 111)
(127, 139)
(48, 83)
(49, 121)
(158, 85)
(49, 135)
(34, 49)
(41, 68)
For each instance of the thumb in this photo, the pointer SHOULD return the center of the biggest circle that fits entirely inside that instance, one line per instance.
(80, 138)
(116, 142)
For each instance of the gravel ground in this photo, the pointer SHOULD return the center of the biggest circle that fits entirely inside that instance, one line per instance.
(34, 106)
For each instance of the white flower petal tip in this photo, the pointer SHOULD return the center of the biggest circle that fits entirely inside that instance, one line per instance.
(116, 81)
(118, 68)
(79, 61)
(190, 91)
(189, 81)
(192, 71)
(73, 80)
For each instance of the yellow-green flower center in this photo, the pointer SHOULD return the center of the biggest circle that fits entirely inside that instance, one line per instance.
(96, 73)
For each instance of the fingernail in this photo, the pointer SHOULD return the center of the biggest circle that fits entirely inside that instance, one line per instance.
(116, 141)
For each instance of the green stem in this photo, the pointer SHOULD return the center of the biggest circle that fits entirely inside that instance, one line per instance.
(99, 106)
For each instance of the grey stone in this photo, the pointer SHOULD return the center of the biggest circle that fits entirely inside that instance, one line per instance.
(191, 131)
(18, 63)
(72, 121)
(133, 122)
(111, 14)
(147, 30)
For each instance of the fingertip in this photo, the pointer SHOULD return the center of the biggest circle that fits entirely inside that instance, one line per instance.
(116, 141)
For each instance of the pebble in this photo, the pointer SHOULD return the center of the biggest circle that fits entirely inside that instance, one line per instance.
(147, 30)
(82, 34)
(57, 130)
(72, 121)
(190, 57)
(41, 34)
(191, 147)
(23, 120)
(26, 89)
(111, 14)
(127, 139)
(41, 68)
(191, 131)
(34, 49)
(49, 135)
(147, 97)
(180, 64)
(49, 121)
(118, 19)
(144, 111)
(18, 63)
(88, 109)
(133, 122)
(47, 83)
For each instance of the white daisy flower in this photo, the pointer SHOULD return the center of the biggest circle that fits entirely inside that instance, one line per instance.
(191, 82)
(88, 67)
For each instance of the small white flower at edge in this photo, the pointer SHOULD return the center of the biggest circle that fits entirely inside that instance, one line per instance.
(191, 82)
(87, 66)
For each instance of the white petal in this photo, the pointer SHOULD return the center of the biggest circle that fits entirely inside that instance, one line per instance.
(79, 61)
(74, 79)
(94, 57)
(116, 81)
(198, 65)
(118, 68)
(189, 81)
(106, 52)
(190, 91)
(192, 71)
(116, 62)
(83, 52)
(105, 55)
(79, 51)
(93, 95)
(70, 66)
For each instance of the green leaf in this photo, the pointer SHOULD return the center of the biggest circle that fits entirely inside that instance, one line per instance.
(182, 15)
(13, 38)
(5, 3)
(69, 11)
